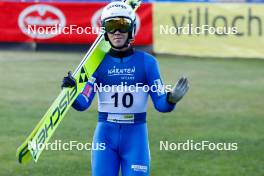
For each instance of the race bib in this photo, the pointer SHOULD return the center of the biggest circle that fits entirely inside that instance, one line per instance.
(122, 100)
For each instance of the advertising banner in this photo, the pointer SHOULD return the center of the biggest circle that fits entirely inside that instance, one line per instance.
(73, 23)
(203, 29)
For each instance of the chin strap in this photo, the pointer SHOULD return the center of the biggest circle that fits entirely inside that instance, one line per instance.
(129, 38)
(120, 47)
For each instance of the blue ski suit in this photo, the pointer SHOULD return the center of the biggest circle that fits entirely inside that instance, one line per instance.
(123, 81)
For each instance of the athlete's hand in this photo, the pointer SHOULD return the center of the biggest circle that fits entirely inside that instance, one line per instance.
(179, 90)
(68, 81)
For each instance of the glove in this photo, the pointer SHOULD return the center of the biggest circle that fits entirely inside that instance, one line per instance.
(68, 81)
(178, 91)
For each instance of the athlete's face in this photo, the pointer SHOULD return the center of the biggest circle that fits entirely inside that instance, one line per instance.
(118, 39)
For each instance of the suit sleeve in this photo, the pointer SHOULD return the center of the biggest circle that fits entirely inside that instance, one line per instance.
(85, 98)
(157, 90)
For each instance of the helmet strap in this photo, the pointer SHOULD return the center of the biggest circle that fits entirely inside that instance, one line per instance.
(129, 38)
(126, 44)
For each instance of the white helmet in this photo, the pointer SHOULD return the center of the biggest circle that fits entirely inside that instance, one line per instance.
(120, 9)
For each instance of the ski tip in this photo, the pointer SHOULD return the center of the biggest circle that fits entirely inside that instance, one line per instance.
(134, 3)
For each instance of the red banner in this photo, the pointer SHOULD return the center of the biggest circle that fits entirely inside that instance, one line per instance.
(77, 23)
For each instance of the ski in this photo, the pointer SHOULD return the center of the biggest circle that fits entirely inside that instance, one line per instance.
(34, 144)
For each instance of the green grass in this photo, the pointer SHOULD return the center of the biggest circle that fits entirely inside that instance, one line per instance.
(224, 104)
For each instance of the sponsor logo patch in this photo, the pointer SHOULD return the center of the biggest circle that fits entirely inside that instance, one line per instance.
(139, 168)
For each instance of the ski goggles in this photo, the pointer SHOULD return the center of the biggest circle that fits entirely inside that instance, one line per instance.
(122, 25)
